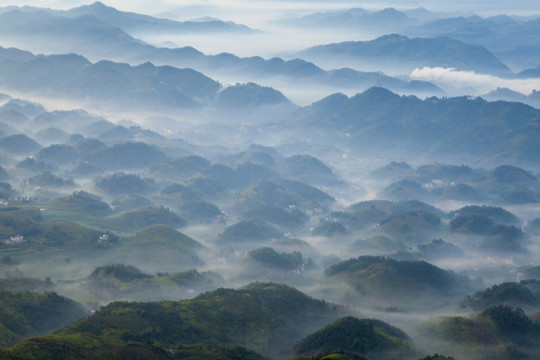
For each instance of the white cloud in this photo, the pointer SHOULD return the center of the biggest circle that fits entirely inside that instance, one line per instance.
(481, 83)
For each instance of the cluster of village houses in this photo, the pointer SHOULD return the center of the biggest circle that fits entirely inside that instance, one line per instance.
(15, 239)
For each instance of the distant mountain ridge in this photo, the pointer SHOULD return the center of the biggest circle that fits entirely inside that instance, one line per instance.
(409, 53)
(97, 39)
(109, 82)
(131, 21)
(505, 94)
(511, 38)
(355, 17)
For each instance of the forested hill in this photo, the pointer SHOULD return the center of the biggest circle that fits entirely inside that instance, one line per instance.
(266, 317)
(379, 120)
(24, 314)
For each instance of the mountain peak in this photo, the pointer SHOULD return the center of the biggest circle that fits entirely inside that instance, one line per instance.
(392, 37)
(98, 4)
(379, 92)
(94, 8)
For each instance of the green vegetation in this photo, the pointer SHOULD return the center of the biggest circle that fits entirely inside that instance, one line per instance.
(504, 238)
(129, 202)
(142, 217)
(393, 169)
(88, 146)
(179, 190)
(498, 330)
(19, 220)
(249, 173)
(508, 174)
(512, 323)
(193, 278)
(437, 357)
(69, 245)
(384, 205)
(435, 249)
(85, 346)
(380, 277)
(307, 192)
(415, 205)
(411, 225)
(25, 314)
(265, 193)
(202, 186)
(270, 258)
(58, 154)
(362, 337)
(120, 183)
(19, 144)
(379, 243)
(249, 231)
(257, 154)
(120, 272)
(6, 191)
(329, 229)
(439, 248)
(524, 196)
(250, 95)
(513, 294)
(85, 169)
(359, 218)
(309, 169)
(216, 352)
(81, 202)
(222, 175)
(265, 317)
(118, 282)
(496, 214)
(404, 190)
(280, 216)
(292, 245)
(461, 192)
(373, 212)
(162, 248)
(48, 179)
(33, 164)
(444, 172)
(125, 156)
(341, 355)
(461, 330)
(474, 223)
(68, 233)
(164, 235)
(181, 167)
(200, 211)
(281, 193)
(380, 121)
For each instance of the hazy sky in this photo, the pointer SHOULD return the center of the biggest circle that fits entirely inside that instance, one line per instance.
(156, 7)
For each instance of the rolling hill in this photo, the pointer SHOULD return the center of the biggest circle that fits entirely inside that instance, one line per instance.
(265, 317)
